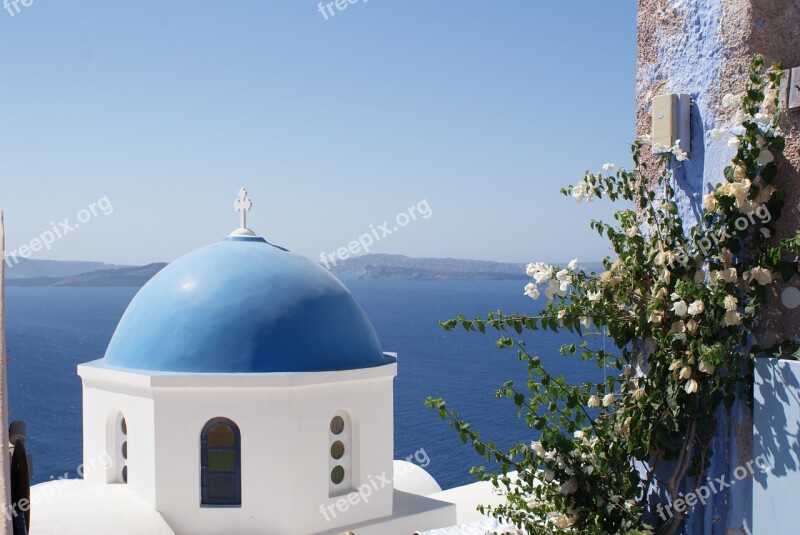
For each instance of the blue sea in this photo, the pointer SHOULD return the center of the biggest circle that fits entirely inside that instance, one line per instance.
(52, 330)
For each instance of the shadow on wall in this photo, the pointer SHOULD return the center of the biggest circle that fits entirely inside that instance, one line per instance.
(689, 173)
(776, 418)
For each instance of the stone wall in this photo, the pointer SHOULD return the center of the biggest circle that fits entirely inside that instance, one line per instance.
(703, 48)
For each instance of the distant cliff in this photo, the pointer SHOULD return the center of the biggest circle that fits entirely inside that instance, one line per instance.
(399, 267)
(129, 276)
(26, 268)
(402, 273)
(372, 267)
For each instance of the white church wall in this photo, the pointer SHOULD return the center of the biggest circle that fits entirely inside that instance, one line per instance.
(284, 421)
(107, 396)
(284, 455)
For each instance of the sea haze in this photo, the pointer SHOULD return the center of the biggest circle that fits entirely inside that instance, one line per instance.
(53, 329)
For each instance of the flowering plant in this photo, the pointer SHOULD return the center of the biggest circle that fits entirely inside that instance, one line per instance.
(680, 301)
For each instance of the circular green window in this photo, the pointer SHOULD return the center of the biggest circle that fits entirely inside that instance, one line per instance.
(337, 425)
(337, 475)
(337, 449)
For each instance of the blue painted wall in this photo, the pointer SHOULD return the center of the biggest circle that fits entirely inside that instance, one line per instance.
(691, 59)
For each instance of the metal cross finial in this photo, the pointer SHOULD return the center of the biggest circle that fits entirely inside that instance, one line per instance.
(242, 205)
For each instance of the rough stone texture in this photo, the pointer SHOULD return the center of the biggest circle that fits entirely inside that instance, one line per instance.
(703, 48)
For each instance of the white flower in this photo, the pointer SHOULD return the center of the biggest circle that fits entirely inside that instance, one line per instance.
(762, 118)
(764, 157)
(733, 142)
(646, 139)
(730, 302)
(760, 275)
(691, 326)
(608, 166)
(707, 368)
(764, 194)
(538, 449)
(638, 393)
(532, 291)
(583, 192)
(717, 133)
(730, 100)
(738, 190)
(677, 152)
(660, 148)
(709, 202)
(732, 318)
(686, 372)
(573, 264)
(568, 488)
(691, 386)
(632, 231)
(696, 308)
(578, 434)
(656, 317)
(680, 308)
(593, 296)
(540, 272)
(564, 521)
(608, 399)
(729, 275)
(586, 321)
(594, 401)
(676, 363)
(555, 288)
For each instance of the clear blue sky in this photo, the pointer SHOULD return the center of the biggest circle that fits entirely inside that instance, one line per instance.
(484, 109)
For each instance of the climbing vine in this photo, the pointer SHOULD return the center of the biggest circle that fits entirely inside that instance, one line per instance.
(679, 300)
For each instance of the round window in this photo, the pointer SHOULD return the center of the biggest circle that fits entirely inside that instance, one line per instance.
(337, 475)
(337, 449)
(337, 425)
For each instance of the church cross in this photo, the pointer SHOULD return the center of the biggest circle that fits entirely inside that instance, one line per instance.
(242, 205)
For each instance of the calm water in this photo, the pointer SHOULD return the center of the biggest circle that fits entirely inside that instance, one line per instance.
(52, 330)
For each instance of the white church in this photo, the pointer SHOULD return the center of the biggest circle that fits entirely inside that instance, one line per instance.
(245, 392)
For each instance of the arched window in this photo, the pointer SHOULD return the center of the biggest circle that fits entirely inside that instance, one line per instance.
(220, 463)
(340, 454)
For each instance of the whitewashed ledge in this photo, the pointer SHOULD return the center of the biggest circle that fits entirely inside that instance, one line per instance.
(470, 520)
(473, 528)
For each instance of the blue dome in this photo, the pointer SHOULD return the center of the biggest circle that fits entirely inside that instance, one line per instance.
(243, 305)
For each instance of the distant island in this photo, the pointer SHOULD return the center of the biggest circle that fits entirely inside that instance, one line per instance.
(113, 277)
(59, 273)
(399, 267)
